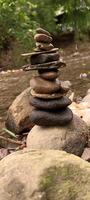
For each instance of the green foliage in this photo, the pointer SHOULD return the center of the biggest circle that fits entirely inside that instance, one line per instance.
(19, 18)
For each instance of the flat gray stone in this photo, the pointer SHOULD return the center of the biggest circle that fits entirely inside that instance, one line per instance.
(51, 118)
(44, 58)
(52, 104)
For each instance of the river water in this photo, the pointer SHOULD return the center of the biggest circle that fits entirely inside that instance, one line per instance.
(14, 82)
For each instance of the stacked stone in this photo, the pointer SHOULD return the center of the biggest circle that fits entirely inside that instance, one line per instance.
(47, 91)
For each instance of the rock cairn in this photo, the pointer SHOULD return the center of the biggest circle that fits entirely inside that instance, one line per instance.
(48, 93)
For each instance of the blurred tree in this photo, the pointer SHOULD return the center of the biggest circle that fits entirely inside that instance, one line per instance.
(19, 18)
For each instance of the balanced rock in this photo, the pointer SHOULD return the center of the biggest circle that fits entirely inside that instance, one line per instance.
(51, 118)
(49, 75)
(44, 58)
(44, 46)
(41, 30)
(47, 96)
(42, 38)
(41, 175)
(42, 86)
(18, 116)
(50, 104)
(71, 138)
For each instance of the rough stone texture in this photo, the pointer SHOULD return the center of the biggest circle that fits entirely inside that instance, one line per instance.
(42, 38)
(54, 104)
(82, 110)
(18, 116)
(44, 46)
(42, 175)
(51, 118)
(44, 58)
(41, 30)
(71, 138)
(86, 154)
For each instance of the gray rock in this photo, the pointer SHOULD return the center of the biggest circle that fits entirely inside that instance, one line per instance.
(51, 118)
(50, 104)
(71, 138)
(44, 58)
(18, 116)
(41, 175)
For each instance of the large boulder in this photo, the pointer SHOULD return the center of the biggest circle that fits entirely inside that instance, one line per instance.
(18, 116)
(70, 138)
(41, 175)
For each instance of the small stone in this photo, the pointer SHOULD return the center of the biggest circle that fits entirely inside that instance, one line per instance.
(44, 46)
(49, 118)
(42, 38)
(50, 104)
(44, 58)
(28, 55)
(41, 30)
(46, 96)
(86, 154)
(42, 86)
(49, 75)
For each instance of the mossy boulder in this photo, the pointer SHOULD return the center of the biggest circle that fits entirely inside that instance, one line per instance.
(42, 175)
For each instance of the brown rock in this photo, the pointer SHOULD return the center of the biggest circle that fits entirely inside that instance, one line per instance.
(46, 96)
(18, 116)
(41, 30)
(42, 38)
(42, 86)
(71, 138)
(44, 46)
(49, 75)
